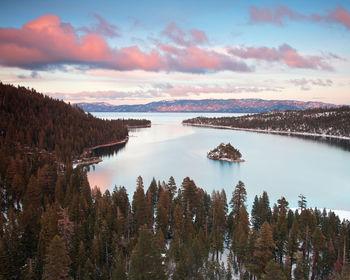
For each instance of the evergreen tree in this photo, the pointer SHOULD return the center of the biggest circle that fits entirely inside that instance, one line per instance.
(282, 229)
(146, 260)
(189, 197)
(153, 192)
(273, 271)
(293, 244)
(261, 211)
(264, 247)
(140, 206)
(318, 242)
(172, 187)
(239, 197)
(57, 261)
(218, 220)
(301, 271)
(302, 202)
(241, 234)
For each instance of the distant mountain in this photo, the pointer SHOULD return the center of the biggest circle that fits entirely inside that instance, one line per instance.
(208, 105)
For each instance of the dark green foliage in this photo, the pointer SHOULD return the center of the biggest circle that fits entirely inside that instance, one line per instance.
(146, 260)
(38, 121)
(225, 152)
(332, 121)
(261, 211)
(57, 261)
(273, 271)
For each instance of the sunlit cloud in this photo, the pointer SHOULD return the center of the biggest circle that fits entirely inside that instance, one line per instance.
(278, 15)
(284, 54)
(102, 27)
(47, 42)
(178, 36)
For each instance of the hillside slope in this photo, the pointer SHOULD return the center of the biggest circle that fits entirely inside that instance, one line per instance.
(34, 120)
(207, 105)
(322, 121)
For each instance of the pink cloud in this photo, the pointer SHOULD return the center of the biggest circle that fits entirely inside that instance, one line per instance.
(285, 54)
(194, 59)
(275, 16)
(199, 36)
(175, 34)
(47, 42)
(180, 37)
(102, 27)
(340, 15)
(278, 14)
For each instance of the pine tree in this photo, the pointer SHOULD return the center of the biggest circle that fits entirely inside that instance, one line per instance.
(293, 244)
(47, 233)
(241, 238)
(140, 206)
(261, 211)
(264, 247)
(282, 229)
(172, 187)
(218, 220)
(146, 260)
(190, 197)
(318, 242)
(153, 191)
(239, 197)
(178, 220)
(118, 267)
(301, 271)
(163, 213)
(273, 271)
(302, 202)
(57, 261)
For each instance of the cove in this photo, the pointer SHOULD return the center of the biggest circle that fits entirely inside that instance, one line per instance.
(279, 164)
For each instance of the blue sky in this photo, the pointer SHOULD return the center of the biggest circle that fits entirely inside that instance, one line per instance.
(126, 52)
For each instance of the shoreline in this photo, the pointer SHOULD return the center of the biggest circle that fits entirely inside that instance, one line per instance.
(85, 161)
(269, 131)
(139, 126)
(227, 159)
(126, 139)
(88, 162)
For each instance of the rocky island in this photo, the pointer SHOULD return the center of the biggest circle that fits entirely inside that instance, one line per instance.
(225, 153)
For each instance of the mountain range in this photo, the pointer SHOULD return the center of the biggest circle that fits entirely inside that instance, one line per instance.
(207, 105)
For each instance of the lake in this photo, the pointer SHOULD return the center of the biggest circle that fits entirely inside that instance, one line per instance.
(279, 164)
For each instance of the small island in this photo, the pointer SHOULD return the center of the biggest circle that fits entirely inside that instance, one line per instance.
(225, 153)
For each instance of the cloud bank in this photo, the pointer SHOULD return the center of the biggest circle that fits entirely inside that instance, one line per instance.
(279, 14)
(284, 54)
(47, 43)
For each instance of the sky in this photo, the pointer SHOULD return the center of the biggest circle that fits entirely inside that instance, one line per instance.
(132, 52)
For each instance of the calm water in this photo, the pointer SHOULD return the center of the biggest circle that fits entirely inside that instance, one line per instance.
(281, 165)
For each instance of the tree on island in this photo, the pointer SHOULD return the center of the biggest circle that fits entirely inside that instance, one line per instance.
(225, 152)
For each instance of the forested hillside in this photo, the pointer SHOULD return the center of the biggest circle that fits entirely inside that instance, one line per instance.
(53, 226)
(332, 122)
(37, 121)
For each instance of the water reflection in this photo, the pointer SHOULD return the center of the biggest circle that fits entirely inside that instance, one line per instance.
(108, 151)
(338, 142)
(280, 164)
